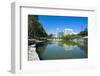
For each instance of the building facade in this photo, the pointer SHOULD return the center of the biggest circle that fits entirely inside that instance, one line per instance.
(68, 32)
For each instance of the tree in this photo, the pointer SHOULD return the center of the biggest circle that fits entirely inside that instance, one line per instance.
(35, 28)
(50, 36)
(84, 32)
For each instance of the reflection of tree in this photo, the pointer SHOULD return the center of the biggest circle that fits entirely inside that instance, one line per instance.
(69, 43)
(41, 48)
(84, 47)
(64, 46)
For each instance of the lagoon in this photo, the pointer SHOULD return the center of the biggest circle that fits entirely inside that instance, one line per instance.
(53, 50)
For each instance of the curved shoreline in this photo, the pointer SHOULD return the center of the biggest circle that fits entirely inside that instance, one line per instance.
(32, 54)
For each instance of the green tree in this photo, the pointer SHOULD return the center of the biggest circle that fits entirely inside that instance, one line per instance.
(84, 32)
(50, 36)
(35, 28)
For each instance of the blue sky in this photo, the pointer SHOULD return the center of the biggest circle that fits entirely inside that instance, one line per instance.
(52, 23)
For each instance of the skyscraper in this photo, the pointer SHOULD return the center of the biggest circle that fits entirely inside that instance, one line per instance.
(69, 32)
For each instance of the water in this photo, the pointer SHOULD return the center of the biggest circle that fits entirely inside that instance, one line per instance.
(61, 50)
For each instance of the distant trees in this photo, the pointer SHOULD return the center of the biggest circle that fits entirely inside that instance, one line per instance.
(35, 28)
(70, 37)
(50, 36)
(76, 36)
(84, 32)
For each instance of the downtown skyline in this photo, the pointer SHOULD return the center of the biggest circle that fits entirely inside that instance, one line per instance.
(52, 24)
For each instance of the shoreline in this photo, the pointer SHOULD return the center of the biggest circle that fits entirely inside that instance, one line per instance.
(32, 54)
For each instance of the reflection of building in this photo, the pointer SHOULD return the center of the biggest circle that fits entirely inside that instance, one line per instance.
(68, 32)
(69, 47)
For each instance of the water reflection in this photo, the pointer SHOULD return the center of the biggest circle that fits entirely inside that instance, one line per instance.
(61, 50)
(68, 46)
